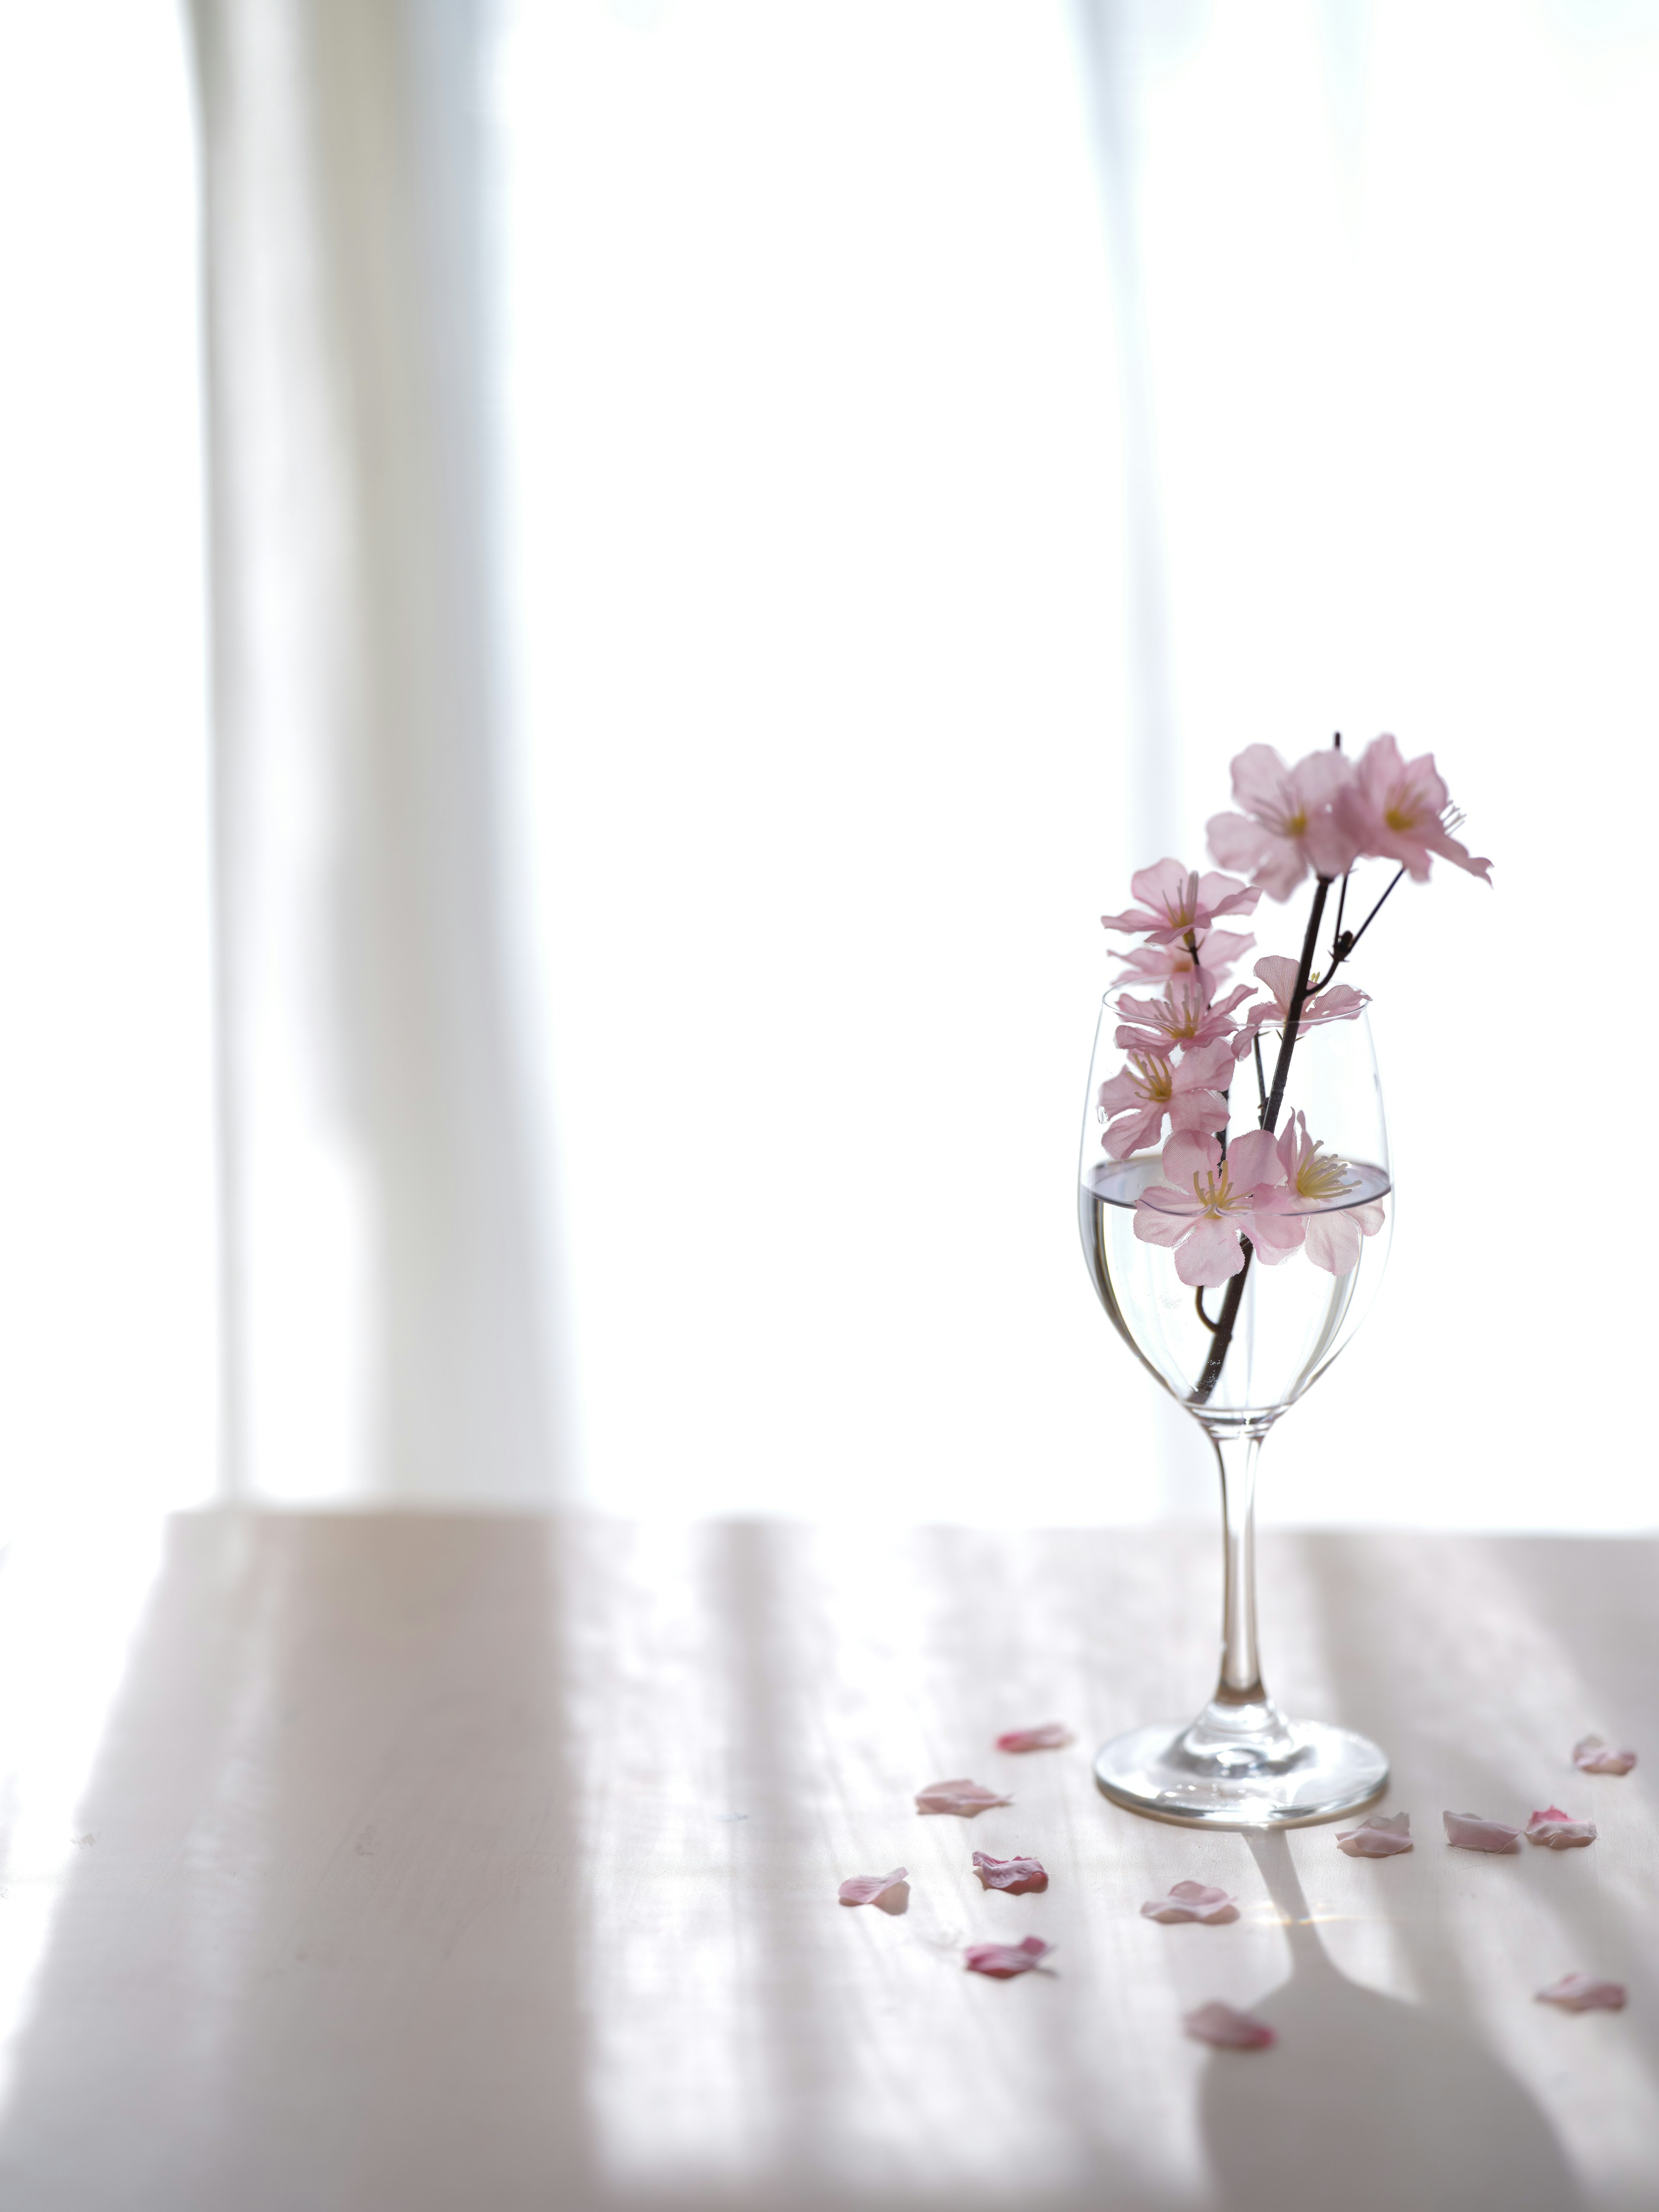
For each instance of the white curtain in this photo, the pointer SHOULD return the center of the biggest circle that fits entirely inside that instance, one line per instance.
(387, 1300)
(936, 438)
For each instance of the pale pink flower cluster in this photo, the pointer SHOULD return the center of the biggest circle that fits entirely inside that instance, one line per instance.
(1271, 1192)
(1329, 812)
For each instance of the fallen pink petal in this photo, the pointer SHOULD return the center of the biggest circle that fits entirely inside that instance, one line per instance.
(1469, 1832)
(1191, 1900)
(1050, 1737)
(866, 1888)
(1583, 1993)
(961, 1796)
(1380, 1837)
(1592, 1756)
(1017, 1876)
(1227, 2029)
(1558, 1830)
(1002, 1961)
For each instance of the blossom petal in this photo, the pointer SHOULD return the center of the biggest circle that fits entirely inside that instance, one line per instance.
(1165, 1223)
(1276, 1236)
(1051, 1736)
(1330, 845)
(1238, 842)
(1228, 2029)
(1134, 1132)
(1252, 1159)
(869, 1888)
(1163, 885)
(1594, 1756)
(1333, 1241)
(1191, 1900)
(1199, 1109)
(961, 1796)
(1437, 840)
(1210, 1256)
(1219, 894)
(1583, 1993)
(1017, 1876)
(1379, 1838)
(1469, 1832)
(1187, 1155)
(1318, 776)
(1002, 1961)
(1261, 783)
(1280, 975)
(1204, 1067)
(1558, 1830)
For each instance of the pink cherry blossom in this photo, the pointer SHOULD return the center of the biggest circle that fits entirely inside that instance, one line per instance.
(1178, 903)
(1184, 1019)
(1154, 1085)
(1191, 1900)
(1594, 1756)
(1558, 1830)
(1051, 1736)
(1205, 1204)
(1217, 949)
(1339, 1003)
(871, 1889)
(1017, 1876)
(1287, 825)
(961, 1796)
(1397, 810)
(1002, 1961)
(1315, 1218)
(1583, 1993)
(1380, 1837)
(1469, 1832)
(1228, 2029)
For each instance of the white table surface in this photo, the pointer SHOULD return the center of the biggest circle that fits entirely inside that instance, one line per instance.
(441, 1861)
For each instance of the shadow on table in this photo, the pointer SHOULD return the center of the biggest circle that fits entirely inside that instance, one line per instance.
(322, 1955)
(1369, 2103)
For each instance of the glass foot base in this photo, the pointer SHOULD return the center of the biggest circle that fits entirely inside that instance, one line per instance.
(1308, 1771)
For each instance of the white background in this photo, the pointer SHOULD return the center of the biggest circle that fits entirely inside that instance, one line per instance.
(810, 402)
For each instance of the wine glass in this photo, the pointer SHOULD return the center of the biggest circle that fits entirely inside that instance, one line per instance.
(1236, 1356)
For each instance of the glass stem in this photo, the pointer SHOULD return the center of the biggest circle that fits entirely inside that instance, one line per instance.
(1236, 1451)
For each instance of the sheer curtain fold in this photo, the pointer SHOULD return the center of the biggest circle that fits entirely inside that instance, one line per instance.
(385, 1310)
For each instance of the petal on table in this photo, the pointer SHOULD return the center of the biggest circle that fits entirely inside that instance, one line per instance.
(1227, 2029)
(1469, 1832)
(1051, 1736)
(1558, 1830)
(868, 1888)
(1017, 1876)
(961, 1796)
(1379, 1838)
(1191, 1900)
(1585, 1993)
(1594, 1756)
(1002, 1961)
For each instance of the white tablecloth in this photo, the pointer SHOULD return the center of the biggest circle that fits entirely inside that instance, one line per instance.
(432, 1861)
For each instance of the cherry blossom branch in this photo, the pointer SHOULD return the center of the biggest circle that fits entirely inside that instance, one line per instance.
(1222, 1329)
(1298, 1000)
(1198, 1300)
(1221, 1341)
